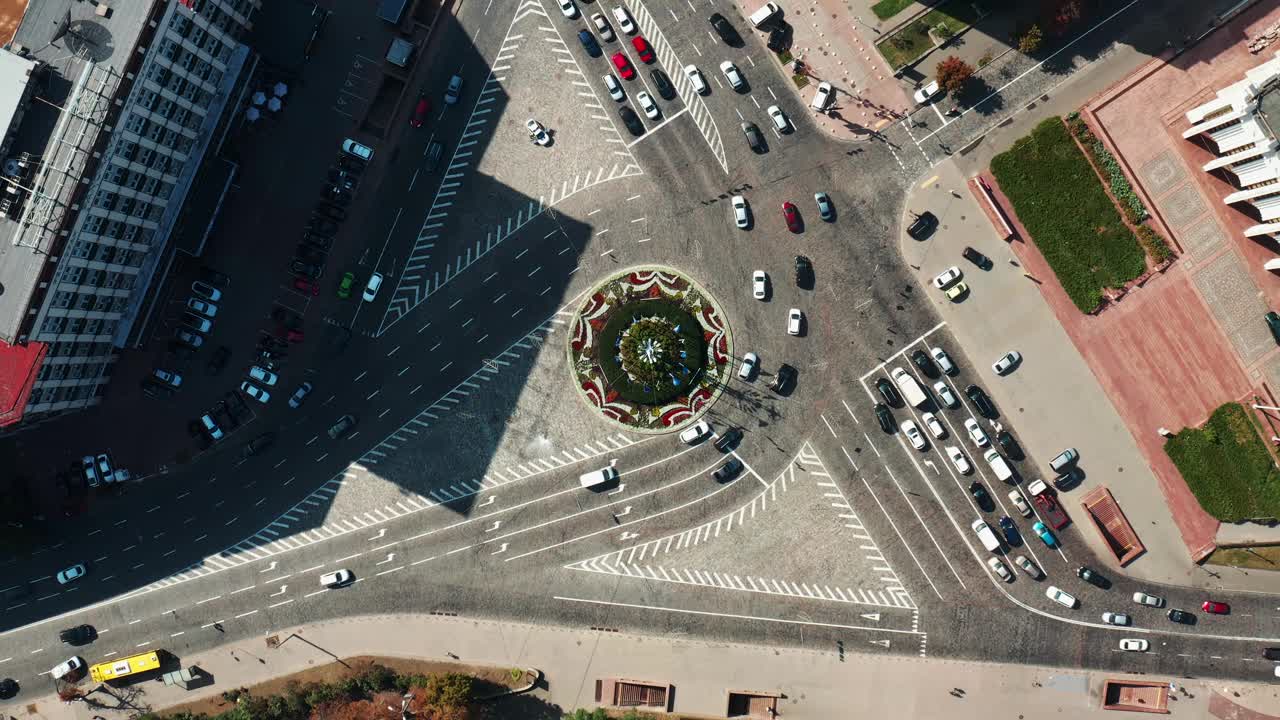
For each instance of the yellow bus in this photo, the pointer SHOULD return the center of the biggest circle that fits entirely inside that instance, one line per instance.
(131, 665)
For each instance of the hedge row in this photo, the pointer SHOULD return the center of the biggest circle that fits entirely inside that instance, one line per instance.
(1134, 210)
(620, 318)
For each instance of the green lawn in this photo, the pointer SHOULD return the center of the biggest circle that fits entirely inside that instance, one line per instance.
(886, 9)
(912, 41)
(1060, 201)
(1227, 466)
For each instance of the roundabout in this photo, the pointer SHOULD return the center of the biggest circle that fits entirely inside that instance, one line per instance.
(650, 349)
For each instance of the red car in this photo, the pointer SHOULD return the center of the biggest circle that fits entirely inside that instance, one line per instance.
(1217, 608)
(642, 47)
(792, 216)
(624, 66)
(420, 112)
(306, 287)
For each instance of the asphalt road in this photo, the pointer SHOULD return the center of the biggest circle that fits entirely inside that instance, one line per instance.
(457, 491)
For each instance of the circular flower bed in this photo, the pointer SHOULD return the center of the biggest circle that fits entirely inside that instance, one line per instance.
(650, 350)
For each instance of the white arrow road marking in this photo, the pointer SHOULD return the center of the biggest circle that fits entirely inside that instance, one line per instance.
(625, 511)
(381, 533)
(273, 567)
(883, 643)
(621, 487)
(872, 616)
(496, 524)
(488, 501)
(390, 557)
(932, 467)
(630, 535)
(501, 549)
(282, 589)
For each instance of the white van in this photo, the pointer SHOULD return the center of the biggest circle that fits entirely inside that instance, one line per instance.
(998, 465)
(986, 536)
(624, 20)
(908, 386)
(598, 477)
(762, 16)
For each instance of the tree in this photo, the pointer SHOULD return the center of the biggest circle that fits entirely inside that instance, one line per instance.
(952, 73)
(1031, 40)
(1064, 13)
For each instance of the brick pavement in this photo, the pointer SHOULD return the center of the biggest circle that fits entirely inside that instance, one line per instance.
(813, 684)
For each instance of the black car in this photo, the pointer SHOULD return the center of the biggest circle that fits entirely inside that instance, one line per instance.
(1068, 479)
(754, 138)
(729, 439)
(1271, 653)
(335, 195)
(350, 164)
(8, 688)
(729, 470)
(885, 417)
(1010, 445)
(78, 635)
(1010, 530)
(725, 30)
(1092, 577)
(979, 398)
(321, 226)
(320, 242)
(1273, 324)
(804, 271)
(1182, 616)
(305, 269)
(214, 278)
(977, 258)
(925, 364)
(331, 211)
(218, 361)
(631, 120)
(258, 444)
(981, 496)
(663, 84)
(786, 374)
(888, 391)
(343, 179)
(923, 225)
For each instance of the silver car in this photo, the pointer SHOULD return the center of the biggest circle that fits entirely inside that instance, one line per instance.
(733, 75)
(944, 393)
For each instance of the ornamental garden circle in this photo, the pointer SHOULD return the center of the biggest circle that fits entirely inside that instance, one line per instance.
(650, 349)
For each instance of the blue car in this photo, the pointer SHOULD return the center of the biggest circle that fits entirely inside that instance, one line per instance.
(1009, 529)
(589, 42)
(1045, 534)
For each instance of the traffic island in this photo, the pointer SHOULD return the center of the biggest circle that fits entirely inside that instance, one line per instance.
(650, 349)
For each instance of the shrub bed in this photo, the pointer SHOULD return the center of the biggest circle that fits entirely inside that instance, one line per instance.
(1227, 466)
(1134, 211)
(886, 9)
(692, 343)
(1058, 198)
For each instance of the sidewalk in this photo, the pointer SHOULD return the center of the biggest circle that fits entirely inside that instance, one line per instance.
(813, 684)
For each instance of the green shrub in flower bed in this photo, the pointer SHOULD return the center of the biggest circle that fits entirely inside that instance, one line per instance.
(1227, 466)
(654, 321)
(1154, 243)
(1130, 204)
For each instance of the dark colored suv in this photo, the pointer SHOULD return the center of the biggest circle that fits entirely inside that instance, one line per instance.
(727, 32)
(754, 138)
(889, 392)
(1273, 324)
(977, 258)
(729, 439)
(922, 226)
(662, 84)
(979, 398)
(923, 362)
(885, 417)
(1093, 577)
(729, 470)
(78, 635)
(786, 374)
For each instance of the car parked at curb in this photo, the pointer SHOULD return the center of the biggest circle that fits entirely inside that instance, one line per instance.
(1134, 645)
(947, 397)
(1149, 600)
(695, 433)
(1061, 597)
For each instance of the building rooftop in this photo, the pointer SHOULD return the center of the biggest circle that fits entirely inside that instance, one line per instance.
(11, 12)
(15, 73)
(66, 31)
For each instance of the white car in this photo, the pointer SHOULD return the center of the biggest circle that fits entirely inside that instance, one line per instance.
(602, 27)
(614, 87)
(364, 152)
(759, 284)
(779, 118)
(1061, 597)
(944, 393)
(206, 291)
(821, 97)
(1115, 618)
(959, 460)
(695, 78)
(999, 569)
(1134, 645)
(928, 91)
(732, 74)
(794, 318)
(912, 431)
(695, 433)
(1154, 601)
(1006, 362)
(206, 309)
(262, 375)
(943, 360)
(254, 391)
(1020, 502)
(947, 277)
(454, 91)
(171, 379)
(537, 134)
(976, 434)
(621, 17)
(740, 211)
(71, 574)
(1028, 567)
(749, 363)
(647, 104)
(334, 579)
(935, 427)
(73, 666)
(569, 9)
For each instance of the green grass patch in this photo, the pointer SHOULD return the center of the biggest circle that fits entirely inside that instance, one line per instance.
(907, 45)
(886, 9)
(1060, 200)
(801, 81)
(1227, 466)
(1259, 557)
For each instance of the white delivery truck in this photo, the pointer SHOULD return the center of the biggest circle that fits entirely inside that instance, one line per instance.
(986, 536)
(908, 386)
